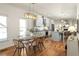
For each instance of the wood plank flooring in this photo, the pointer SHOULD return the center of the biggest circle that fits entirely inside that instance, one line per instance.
(52, 48)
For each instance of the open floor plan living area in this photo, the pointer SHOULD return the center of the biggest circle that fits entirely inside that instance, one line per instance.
(39, 29)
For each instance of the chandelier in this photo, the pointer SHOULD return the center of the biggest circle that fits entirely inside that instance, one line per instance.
(30, 15)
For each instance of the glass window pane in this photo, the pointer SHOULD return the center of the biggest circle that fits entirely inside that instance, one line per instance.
(23, 27)
(3, 20)
(22, 23)
(23, 30)
(3, 30)
(3, 35)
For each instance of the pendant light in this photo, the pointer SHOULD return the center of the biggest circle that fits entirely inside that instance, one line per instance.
(30, 14)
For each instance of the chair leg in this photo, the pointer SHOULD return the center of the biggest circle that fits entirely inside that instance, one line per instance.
(39, 47)
(43, 45)
(34, 50)
(29, 50)
(15, 51)
(20, 51)
(26, 50)
(23, 51)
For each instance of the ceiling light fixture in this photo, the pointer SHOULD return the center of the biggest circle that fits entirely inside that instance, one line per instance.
(30, 14)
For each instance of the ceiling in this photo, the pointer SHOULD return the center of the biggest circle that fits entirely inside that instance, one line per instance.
(52, 10)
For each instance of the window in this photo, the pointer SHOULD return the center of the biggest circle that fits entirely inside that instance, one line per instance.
(23, 27)
(3, 28)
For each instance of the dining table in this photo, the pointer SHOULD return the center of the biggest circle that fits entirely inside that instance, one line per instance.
(29, 43)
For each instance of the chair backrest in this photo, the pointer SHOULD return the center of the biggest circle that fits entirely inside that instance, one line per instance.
(35, 41)
(15, 42)
(18, 43)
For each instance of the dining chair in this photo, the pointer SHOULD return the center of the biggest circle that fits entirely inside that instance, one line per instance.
(29, 46)
(19, 46)
(35, 45)
(41, 42)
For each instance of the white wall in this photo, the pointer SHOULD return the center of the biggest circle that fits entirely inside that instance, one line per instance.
(13, 14)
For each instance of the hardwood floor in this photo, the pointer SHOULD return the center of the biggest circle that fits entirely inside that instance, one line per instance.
(52, 48)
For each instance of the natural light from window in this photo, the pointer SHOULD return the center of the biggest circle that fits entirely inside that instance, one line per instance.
(23, 27)
(3, 28)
